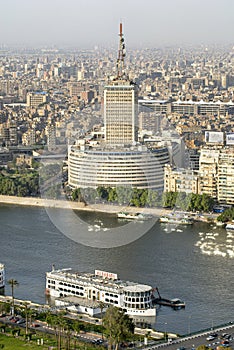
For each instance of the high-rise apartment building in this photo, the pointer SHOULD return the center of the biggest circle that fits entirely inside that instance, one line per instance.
(51, 134)
(120, 112)
(225, 183)
(121, 105)
(208, 165)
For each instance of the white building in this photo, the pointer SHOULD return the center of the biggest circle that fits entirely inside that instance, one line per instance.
(137, 167)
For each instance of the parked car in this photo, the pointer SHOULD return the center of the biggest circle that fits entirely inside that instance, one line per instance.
(35, 325)
(20, 321)
(210, 337)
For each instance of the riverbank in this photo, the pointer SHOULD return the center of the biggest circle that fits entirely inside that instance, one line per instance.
(65, 204)
(100, 207)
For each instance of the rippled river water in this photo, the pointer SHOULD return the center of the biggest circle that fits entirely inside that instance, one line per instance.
(192, 263)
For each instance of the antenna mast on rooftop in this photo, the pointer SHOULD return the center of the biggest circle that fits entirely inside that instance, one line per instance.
(121, 53)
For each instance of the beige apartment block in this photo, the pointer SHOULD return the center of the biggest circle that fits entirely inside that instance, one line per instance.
(208, 169)
(225, 183)
(120, 112)
(181, 180)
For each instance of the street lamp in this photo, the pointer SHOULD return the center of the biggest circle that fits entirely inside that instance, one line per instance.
(165, 331)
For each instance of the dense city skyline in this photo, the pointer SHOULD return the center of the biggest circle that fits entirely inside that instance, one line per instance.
(86, 25)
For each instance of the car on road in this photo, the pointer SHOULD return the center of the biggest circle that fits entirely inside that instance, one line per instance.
(224, 335)
(216, 343)
(225, 342)
(210, 337)
(20, 321)
(14, 319)
(214, 334)
(35, 325)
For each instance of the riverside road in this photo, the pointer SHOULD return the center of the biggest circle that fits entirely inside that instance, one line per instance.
(193, 341)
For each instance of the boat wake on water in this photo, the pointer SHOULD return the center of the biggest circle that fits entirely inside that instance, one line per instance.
(219, 244)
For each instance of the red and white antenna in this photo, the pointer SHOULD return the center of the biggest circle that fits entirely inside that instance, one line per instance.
(121, 53)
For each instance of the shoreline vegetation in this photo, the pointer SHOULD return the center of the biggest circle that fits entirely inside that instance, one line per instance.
(105, 208)
(74, 205)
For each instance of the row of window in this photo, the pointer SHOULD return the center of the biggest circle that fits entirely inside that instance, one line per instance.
(51, 281)
(71, 285)
(137, 300)
(71, 292)
(138, 294)
(51, 287)
(136, 306)
(111, 295)
(111, 301)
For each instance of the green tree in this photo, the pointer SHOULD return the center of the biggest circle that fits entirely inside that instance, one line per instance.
(206, 202)
(76, 195)
(227, 215)
(181, 200)
(202, 347)
(153, 198)
(124, 194)
(102, 192)
(112, 195)
(101, 306)
(118, 326)
(89, 194)
(169, 199)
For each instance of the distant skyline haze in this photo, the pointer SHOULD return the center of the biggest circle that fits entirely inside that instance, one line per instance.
(83, 24)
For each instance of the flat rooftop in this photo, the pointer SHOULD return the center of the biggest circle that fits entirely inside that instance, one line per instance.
(99, 280)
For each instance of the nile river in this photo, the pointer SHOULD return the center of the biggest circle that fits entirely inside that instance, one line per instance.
(194, 263)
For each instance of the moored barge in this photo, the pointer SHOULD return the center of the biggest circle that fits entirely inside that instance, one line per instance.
(106, 287)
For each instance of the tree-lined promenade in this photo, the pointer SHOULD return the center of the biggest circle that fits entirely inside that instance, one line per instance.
(49, 182)
(80, 206)
(144, 198)
(59, 330)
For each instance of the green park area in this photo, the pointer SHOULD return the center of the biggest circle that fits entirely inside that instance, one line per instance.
(8, 342)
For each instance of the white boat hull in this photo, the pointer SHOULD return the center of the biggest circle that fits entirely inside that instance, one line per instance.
(146, 312)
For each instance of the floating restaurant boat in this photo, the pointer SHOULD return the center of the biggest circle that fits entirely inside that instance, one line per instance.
(133, 216)
(2, 276)
(87, 289)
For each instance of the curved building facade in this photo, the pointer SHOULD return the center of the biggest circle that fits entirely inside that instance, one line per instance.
(137, 167)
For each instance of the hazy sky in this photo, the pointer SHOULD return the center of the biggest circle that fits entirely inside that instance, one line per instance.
(86, 23)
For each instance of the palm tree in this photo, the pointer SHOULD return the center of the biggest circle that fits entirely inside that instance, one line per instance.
(13, 283)
(28, 313)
